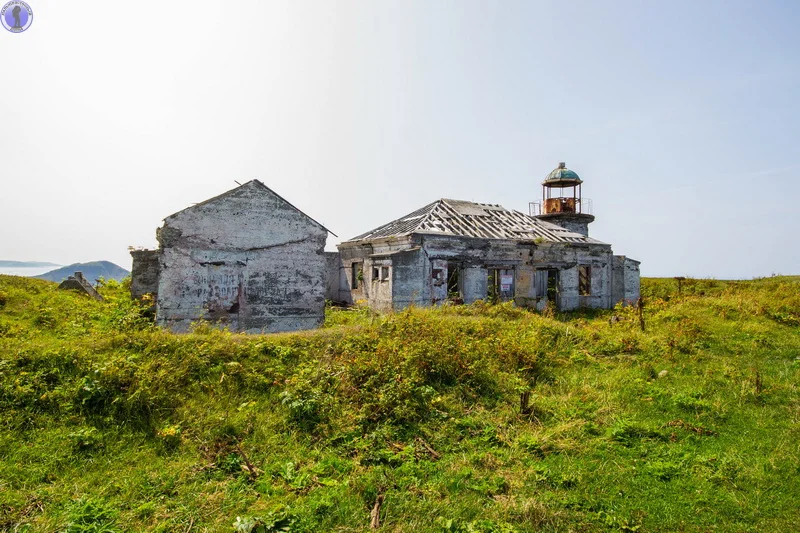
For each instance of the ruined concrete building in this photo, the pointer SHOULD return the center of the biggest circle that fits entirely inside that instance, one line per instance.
(452, 250)
(250, 260)
(78, 283)
(247, 259)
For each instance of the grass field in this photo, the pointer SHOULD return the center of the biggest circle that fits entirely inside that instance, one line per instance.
(690, 424)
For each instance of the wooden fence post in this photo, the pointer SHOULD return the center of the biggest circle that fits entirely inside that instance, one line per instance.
(640, 310)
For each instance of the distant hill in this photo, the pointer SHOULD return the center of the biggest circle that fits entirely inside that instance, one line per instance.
(91, 271)
(26, 264)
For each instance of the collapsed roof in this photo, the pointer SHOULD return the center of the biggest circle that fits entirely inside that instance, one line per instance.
(469, 219)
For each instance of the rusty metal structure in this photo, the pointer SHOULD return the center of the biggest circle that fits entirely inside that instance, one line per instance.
(562, 202)
(561, 191)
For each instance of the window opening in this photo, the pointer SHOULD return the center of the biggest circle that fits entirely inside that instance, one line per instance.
(492, 293)
(500, 284)
(540, 281)
(585, 280)
(357, 275)
(454, 282)
(552, 285)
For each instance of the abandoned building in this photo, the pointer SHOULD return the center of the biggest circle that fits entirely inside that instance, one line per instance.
(465, 251)
(78, 283)
(247, 259)
(251, 261)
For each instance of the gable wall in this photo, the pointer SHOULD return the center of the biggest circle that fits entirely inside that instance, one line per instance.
(248, 260)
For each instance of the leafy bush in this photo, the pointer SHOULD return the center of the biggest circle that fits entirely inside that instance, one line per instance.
(85, 440)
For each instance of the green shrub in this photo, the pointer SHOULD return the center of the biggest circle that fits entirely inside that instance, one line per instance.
(86, 440)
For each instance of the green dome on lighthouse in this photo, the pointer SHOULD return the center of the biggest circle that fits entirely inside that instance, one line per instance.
(562, 176)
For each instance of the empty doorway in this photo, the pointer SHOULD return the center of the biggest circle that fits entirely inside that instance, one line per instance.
(500, 284)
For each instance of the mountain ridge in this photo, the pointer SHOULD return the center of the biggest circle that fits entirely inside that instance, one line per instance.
(91, 271)
(26, 264)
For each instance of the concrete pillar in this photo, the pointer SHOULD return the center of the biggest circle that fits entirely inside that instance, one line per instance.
(475, 284)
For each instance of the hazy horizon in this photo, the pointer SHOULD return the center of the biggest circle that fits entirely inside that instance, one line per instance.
(681, 118)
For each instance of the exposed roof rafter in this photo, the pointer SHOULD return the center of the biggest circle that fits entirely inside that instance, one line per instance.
(471, 219)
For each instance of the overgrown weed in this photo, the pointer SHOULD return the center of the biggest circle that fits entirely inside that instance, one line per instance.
(111, 424)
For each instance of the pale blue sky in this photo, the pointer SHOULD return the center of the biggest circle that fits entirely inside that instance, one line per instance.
(683, 119)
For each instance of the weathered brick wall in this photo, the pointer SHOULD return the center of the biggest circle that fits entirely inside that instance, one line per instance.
(333, 265)
(413, 281)
(617, 279)
(248, 260)
(632, 280)
(626, 281)
(144, 272)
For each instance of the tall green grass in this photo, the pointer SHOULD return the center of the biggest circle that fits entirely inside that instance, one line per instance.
(110, 424)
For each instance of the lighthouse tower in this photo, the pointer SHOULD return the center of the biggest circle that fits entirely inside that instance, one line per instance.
(562, 203)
